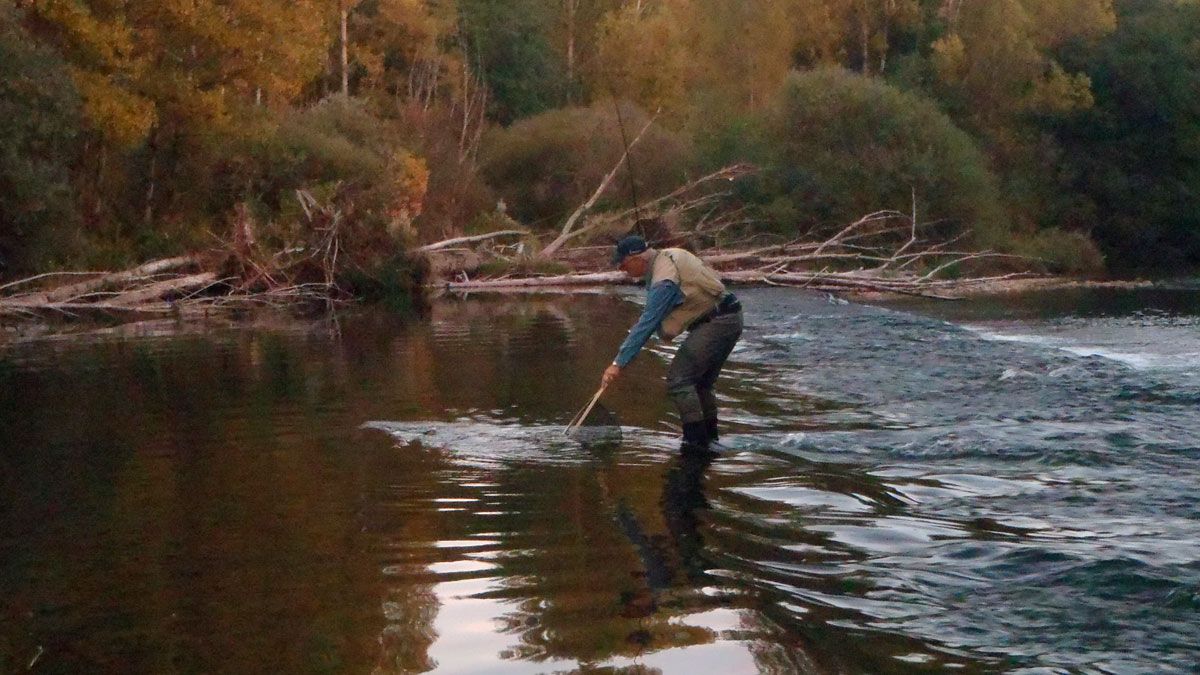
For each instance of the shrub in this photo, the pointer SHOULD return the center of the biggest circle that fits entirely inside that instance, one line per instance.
(457, 193)
(840, 145)
(338, 150)
(334, 140)
(546, 166)
(1063, 252)
(395, 281)
(333, 163)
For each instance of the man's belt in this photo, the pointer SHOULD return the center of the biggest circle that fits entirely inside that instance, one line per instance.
(728, 304)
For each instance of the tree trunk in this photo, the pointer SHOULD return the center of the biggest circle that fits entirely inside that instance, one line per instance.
(447, 243)
(345, 14)
(148, 214)
(864, 33)
(590, 279)
(568, 230)
(572, 7)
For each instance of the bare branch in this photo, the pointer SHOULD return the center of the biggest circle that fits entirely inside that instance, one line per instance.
(446, 243)
(565, 235)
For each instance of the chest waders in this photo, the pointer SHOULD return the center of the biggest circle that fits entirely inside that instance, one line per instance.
(712, 319)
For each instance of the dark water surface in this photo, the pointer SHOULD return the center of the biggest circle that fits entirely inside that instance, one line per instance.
(983, 486)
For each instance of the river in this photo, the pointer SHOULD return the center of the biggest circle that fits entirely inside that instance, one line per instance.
(996, 485)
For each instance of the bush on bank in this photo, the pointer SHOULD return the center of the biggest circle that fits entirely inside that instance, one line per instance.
(545, 166)
(843, 145)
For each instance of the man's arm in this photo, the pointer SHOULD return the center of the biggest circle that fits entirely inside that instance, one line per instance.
(663, 297)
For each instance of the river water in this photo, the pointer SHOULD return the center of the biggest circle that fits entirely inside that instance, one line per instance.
(987, 486)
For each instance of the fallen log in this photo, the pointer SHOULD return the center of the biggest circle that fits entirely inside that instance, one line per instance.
(161, 289)
(594, 278)
(47, 275)
(74, 309)
(447, 243)
(837, 282)
(69, 292)
(854, 282)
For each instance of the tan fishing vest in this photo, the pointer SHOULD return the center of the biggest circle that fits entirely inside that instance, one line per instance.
(701, 286)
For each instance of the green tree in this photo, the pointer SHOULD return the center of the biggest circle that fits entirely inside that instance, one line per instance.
(1133, 160)
(995, 63)
(39, 121)
(508, 40)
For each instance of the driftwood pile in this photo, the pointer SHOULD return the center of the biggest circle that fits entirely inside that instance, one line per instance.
(172, 286)
(238, 274)
(136, 291)
(882, 252)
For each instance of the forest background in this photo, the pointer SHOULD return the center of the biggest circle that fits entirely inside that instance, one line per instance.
(1067, 130)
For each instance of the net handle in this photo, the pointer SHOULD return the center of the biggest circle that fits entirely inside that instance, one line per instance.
(578, 419)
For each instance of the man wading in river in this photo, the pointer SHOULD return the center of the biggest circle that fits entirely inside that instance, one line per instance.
(682, 295)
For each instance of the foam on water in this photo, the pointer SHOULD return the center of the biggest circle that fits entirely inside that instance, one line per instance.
(1141, 342)
(491, 444)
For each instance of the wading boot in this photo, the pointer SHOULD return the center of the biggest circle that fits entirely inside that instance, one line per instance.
(710, 426)
(695, 437)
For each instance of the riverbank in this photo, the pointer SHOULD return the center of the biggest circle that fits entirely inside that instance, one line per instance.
(182, 290)
(882, 254)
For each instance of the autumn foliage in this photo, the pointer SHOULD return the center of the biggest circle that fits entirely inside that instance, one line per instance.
(133, 130)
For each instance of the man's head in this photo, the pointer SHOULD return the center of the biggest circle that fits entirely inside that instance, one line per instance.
(630, 256)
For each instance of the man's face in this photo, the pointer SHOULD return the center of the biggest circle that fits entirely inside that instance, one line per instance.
(634, 265)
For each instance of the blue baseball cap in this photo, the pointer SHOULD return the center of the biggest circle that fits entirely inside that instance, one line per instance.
(631, 245)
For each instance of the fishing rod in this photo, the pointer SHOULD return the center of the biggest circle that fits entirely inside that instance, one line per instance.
(637, 209)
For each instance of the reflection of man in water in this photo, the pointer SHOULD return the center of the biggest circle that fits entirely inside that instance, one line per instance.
(677, 560)
(682, 295)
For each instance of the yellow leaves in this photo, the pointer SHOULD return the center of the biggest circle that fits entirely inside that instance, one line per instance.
(642, 58)
(409, 183)
(744, 49)
(89, 39)
(370, 60)
(1057, 21)
(998, 60)
(416, 19)
(676, 53)
(120, 116)
(421, 34)
(205, 110)
(272, 47)
(820, 31)
(1061, 92)
(950, 58)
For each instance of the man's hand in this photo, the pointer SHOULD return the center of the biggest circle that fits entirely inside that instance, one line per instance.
(610, 375)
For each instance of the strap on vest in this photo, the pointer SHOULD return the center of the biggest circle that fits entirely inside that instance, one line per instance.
(679, 274)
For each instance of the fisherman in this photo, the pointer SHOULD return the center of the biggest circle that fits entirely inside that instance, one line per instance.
(682, 295)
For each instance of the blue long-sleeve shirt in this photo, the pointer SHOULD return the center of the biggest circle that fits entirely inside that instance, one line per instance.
(660, 300)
